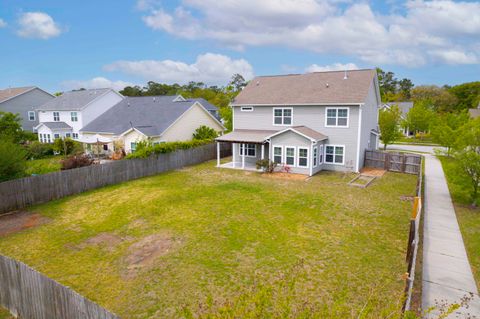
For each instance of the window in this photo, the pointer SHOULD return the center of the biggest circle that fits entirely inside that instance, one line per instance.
(334, 154)
(47, 138)
(277, 154)
(320, 153)
(75, 136)
(250, 150)
(68, 135)
(105, 147)
(302, 157)
(74, 116)
(282, 116)
(31, 115)
(40, 137)
(56, 135)
(337, 117)
(133, 146)
(290, 156)
(246, 109)
(315, 156)
(56, 116)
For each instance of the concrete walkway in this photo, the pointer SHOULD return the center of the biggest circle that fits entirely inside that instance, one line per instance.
(447, 275)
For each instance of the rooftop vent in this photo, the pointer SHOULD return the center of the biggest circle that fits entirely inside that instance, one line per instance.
(327, 85)
(345, 75)
(258, 83)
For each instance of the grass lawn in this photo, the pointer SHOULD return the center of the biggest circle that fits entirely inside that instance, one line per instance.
(4, 314)
(44, 165)
(413, 140)
(468, 217)
(229, 243)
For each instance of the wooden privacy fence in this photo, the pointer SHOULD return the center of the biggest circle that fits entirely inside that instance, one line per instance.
(28, 294)
(20, 193)
(396, 162)
(413, 240)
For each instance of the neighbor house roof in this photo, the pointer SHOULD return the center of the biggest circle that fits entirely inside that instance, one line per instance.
(73, 100)
(311, 88)
(151, 115)
(403, 106)
(7, 94)
(55, 125)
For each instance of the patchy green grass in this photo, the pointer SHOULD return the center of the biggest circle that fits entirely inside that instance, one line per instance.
(413, 140)
(233, 244)
(43, 166)
(469, 218)
(4, 314)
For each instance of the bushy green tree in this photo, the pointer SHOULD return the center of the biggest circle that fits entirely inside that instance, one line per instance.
(444, 128)
(67, 146)
(204, 133)
(437, 98)
(389, 124)
(467, 94)
(12, 160)
(419, 117)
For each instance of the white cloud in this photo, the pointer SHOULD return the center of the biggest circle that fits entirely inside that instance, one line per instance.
(37, 25)
(2, 23)
(209, 68)
(422, 33)
(331, 67)
(95, 83)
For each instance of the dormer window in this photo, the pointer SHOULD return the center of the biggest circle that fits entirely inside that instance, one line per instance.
(283, 116)
(56, 116)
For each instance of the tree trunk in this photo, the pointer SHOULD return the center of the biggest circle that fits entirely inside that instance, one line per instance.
(385, 146)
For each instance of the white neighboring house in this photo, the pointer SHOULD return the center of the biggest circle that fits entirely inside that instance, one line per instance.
(157, 118)
(404, 108)
(65, 115)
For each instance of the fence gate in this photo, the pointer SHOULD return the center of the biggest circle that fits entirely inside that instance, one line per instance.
(395, 162)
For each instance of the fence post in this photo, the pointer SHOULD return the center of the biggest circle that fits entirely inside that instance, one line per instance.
(387, 161)
(404, 163)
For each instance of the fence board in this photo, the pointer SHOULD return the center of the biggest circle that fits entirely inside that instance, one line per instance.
(27, 293)
(20, 193)
(396, 162)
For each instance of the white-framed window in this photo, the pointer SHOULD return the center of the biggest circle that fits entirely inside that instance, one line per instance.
(68, 135)
(290, 155)
(56, 116)
(246, 109)
(277, 154)
(31, 115)
(302, 157)
(75, 136)
(315, 156)
(250, 150)
(47, 138)
(335, 154)
(40, 137)
(74, 116)
(56, 135)
(320, 154)
(283, 116)
(133, 146)
(336, 116)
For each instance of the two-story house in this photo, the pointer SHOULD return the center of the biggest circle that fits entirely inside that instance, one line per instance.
(23, 101)
(308, 122)
(65, 115)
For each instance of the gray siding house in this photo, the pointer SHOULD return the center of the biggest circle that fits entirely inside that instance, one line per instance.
(23, 101)
(308, 122)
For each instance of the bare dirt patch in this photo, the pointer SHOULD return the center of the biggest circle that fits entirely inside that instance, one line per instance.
(371, 171)
(17, 221)
(143, 253)
(107, 240)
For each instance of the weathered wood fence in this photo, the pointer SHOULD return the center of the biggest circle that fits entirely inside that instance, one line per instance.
(28, 294)
(396, 162)
(20, 193)
(413, 239)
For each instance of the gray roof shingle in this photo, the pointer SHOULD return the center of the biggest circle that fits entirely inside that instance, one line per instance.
(150, 115)
(7, 94)
(57, 125)
(73, 100)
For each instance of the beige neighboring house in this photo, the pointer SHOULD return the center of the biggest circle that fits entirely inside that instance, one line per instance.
(157, 118)
(474, 113)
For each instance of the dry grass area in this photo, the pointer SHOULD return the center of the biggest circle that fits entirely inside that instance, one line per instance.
(207, 242)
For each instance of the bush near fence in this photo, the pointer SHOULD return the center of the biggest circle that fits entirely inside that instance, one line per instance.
(27, 293)
(23, 192)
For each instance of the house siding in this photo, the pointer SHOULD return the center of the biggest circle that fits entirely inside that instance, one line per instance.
(369, 122)
(261, 118)
(99, 106)
(188, 122)
(23, 103)
(294, 140)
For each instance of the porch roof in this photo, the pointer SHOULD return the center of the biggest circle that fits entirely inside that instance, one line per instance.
(57, 125)
(246, 136)
(304, 131)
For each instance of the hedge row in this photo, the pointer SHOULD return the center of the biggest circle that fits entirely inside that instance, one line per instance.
(146, 149)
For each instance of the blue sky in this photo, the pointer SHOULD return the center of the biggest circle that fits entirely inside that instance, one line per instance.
(61, 45)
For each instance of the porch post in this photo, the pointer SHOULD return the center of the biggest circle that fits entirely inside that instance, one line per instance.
(218, 154)
(310, 162)
(263, 151)
(233, 154)
(270, 156)
(243, 155)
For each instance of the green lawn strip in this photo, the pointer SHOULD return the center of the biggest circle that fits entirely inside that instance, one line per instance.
(5, 314)
(43, 166)
(468, 217)
(249, 246)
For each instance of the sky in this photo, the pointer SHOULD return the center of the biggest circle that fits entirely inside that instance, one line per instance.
(60, 45)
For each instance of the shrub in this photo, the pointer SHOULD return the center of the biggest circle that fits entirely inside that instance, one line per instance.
(266, 165)
(37, 150)
(204, 133)
(76, 161)
(67, 146)
(12, 160)
(148, 149)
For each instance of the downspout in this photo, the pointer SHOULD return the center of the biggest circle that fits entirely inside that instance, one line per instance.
(357, 165)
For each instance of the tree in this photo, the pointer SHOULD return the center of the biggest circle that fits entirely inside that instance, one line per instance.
(11, 129)
(437, 98)
(204, 133)
(404, 87)
(467, 94)
(419, 117)
(238, 82)
(389, 123)
(387, 83)
(444, 129)
(12, 160)
(66, 146)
